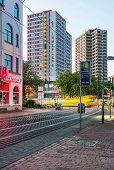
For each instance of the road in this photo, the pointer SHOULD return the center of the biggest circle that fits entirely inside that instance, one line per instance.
(21, 136)
(14, 130)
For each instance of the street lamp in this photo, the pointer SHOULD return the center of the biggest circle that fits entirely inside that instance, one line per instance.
(103, 94)
(108, 58)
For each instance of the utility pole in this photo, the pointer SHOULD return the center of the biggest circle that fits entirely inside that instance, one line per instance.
(103, 93)
(98, 90)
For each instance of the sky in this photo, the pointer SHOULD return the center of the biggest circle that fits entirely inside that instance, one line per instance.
(80, 15)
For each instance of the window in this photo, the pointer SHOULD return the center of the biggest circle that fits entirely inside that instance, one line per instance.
(17, 65)
(4, 94)
(16, 95)
(16, 11)
(8, 34)
(8, 62)
(1, 2)
(17, 40)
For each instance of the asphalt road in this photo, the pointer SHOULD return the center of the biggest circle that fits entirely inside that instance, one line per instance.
(50, 134)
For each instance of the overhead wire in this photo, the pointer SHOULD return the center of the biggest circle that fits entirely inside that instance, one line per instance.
(35, 13)
(23, 24)
(17, 21)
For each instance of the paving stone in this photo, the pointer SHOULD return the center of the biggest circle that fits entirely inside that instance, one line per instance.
(67, 155)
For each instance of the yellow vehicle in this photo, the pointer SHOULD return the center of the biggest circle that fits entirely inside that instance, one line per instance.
(88, 100)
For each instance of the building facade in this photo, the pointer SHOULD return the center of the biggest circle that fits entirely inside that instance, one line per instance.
(92, 46)
(49, 47)
(11, 54)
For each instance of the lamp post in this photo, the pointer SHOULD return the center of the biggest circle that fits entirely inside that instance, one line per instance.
(103, 94)
(108, 58)
(111, 83)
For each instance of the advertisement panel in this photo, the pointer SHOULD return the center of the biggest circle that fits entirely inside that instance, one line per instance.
(85, 70)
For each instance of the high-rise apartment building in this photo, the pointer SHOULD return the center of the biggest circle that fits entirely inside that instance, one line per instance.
(49, 45)
(11, 54)
(92, 46)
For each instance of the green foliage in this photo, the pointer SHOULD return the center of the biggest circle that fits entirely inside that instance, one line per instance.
(69, 83)
(30, 103)
(30, 78)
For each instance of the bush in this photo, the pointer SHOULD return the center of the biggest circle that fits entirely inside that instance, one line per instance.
(30, 103)
(24, 102)
(37, 105)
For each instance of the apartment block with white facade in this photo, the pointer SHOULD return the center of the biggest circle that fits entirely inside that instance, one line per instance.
(92, 46)
(11, 54)
(49, 46)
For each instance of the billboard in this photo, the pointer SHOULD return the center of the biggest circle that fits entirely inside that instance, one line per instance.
(85, 72)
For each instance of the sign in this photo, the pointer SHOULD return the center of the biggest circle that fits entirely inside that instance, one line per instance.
(57, 92)
(7, 78)
(85, 70)
(4, 72)
(12, 79)
(40, 95)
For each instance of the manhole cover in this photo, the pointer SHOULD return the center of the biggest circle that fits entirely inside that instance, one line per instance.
(86, 143)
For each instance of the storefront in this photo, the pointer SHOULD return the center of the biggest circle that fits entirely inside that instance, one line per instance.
(10, 90)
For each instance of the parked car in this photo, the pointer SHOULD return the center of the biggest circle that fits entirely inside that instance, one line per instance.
(58, 106)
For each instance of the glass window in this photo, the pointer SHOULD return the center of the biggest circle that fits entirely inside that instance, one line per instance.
(16, 11)
(17, 40)
(4, 94)
(1, 1)
(16, 95)
(4, 98)
(8, 62)
(8, 34)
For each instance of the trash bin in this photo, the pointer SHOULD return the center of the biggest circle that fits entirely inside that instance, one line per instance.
(82, 108)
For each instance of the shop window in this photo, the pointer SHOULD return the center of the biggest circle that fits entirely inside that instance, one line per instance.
(4, 94)
(8, 33)
(16, 95)
(8, 62)
(5, 98)
(16, 11)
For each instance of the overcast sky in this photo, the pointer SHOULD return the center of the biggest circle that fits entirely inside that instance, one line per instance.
(80, 15)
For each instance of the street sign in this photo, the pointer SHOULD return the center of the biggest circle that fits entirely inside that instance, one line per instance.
(85, 69)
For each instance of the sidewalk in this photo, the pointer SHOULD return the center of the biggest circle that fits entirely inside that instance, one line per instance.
(90, 149)
(27, 111)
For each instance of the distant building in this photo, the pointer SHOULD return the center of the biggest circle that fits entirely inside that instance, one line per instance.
(11, 54)
(49, 47)
(111, 79)
(92, 45)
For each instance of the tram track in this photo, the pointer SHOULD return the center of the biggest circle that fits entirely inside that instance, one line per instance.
(21, 129)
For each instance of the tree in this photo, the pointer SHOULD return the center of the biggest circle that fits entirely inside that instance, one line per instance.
(30, 79)
(69, 84)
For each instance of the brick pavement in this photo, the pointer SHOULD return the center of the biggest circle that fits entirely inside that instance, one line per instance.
(90, 149)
